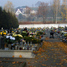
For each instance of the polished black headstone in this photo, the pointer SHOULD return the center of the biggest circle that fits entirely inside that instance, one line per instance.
(2, 43)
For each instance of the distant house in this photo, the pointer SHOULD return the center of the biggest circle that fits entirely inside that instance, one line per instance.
(18, 12)
(23, 11)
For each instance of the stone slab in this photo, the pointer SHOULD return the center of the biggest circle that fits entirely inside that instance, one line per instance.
(17, 53)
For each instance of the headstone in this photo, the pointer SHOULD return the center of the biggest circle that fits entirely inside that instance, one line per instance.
(2, 43)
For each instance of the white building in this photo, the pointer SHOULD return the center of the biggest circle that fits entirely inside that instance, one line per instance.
(23, 12)
(33, 12)
(18, 12)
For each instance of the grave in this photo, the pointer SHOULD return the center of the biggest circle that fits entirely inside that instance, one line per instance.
(2, 42)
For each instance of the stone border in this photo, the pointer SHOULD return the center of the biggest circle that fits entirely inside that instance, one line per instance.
(17, 53)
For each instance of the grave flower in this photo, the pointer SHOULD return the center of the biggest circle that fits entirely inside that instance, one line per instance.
(19, 35)
(23, 40)
(32, 39)
(0, 33)
(18, 38)
(65, 35)
(14, 35)
(3, 33)
(9, 39)
(39, 33)
(24, 33)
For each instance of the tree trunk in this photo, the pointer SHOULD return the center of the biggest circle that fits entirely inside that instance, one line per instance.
(44, 19)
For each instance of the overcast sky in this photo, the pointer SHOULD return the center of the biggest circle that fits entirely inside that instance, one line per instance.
(17, 3)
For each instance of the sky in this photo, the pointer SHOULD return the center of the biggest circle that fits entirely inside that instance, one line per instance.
(17, 3)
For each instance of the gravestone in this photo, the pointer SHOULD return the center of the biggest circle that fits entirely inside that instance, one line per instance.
(2, 43)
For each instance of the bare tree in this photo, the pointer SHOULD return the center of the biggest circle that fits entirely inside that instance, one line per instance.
(27, 12)
(9, 7)
(64, 10)
(42, 10)
(55, 7)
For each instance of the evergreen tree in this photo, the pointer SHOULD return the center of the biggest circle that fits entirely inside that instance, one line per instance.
(8, 20)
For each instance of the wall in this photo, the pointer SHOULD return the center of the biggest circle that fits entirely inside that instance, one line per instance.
(41, 25)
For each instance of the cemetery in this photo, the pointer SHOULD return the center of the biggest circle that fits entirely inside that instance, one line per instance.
(26, 41)
(33, 33)
(20, 42)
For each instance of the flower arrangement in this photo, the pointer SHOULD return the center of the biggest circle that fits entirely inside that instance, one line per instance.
(32, 39)
(8, 40)
(17, 38)
(39, 33)
(0, 33)
(65, 35)
(19, 35)
(3, 33)
(24, 33)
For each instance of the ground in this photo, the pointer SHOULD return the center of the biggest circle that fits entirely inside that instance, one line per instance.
(53, 53)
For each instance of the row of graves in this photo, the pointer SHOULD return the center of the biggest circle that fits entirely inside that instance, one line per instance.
(22, 39)
(61, 33)
(28, 38)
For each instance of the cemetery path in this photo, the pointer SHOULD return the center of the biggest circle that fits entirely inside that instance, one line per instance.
(53, 40)
(51, 54)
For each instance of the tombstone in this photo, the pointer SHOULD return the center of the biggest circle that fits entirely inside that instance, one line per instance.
(2, 42)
